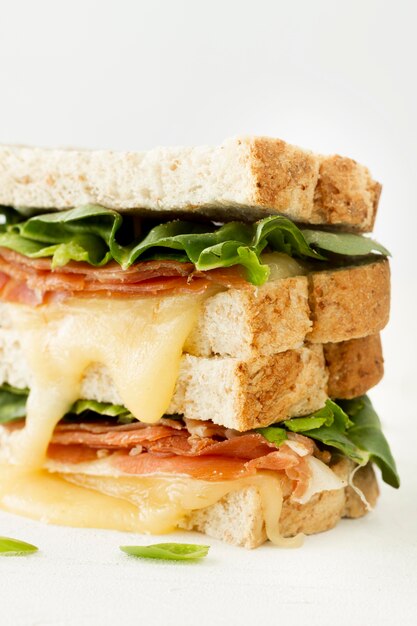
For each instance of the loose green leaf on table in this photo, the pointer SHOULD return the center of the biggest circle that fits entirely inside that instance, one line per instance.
(14, 547)
(168, 551)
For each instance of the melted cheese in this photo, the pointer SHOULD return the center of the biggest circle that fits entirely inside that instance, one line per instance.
(145, 504)
(139, 341)
(283, 266)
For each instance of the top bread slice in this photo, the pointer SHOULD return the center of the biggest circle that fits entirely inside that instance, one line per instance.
(243, 178)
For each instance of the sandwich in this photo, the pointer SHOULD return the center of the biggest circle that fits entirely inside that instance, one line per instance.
(187, 338)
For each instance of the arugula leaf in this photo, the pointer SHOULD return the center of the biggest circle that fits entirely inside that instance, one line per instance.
(353, 427)
(13, 406)
(12, 403)
(274, 434)
(168, 551)
(347, 244)
(102, 408)
(333, 431)
(366, 433)
(90, 234)
(14, 547)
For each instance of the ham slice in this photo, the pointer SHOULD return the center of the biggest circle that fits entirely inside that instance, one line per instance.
(168, 447)
(33, 281)
(203, 468)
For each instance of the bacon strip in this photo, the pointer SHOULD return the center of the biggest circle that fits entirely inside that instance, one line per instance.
(33, 281)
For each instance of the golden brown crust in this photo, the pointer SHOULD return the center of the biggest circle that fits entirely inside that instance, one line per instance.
(345, 194)
(274, 388)
(287, 384)
(349, 303)
(280, 171)
(326, 190)
(280, 312)
(354, 366)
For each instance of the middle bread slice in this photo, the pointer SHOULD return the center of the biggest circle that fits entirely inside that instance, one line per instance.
(261, 355)
(236, 393)
(327, 306)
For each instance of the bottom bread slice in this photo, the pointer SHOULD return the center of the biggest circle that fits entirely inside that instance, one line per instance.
(238, 518)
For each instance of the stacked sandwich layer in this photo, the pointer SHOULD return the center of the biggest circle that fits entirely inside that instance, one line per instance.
(190, 373)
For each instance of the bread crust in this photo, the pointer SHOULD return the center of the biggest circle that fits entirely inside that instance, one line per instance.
(349, 303)
(354, 366)
(244, 178)
(345, 193)
(238, 518)
(332, 190)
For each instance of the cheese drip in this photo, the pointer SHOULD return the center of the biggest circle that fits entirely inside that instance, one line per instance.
(143, 504)
(139, 341)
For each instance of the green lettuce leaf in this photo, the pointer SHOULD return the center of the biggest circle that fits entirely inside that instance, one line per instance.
(13, 407)
(12, 403)
(366, 433)
(102, 408)
(354, 429)
(347, 244)
(333, 432)
(92, 234)
(351, 426)
(274, 434)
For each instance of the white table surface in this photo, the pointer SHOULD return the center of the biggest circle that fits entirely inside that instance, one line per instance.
(362, 572)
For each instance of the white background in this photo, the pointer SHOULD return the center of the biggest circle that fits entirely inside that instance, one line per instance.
(327, 75)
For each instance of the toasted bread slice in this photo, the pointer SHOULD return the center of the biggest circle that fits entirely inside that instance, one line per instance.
(353, 366)
(329, 306)
(349, 303)
(238, 517)
(244, 178)
(239, 394)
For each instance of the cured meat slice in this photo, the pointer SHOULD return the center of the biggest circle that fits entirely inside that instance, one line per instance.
(33, 281)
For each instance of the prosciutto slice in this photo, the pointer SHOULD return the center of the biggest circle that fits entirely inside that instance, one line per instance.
(169, 447)
(33, 281)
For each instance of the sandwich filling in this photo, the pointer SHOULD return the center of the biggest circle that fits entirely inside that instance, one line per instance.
(82, 292)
